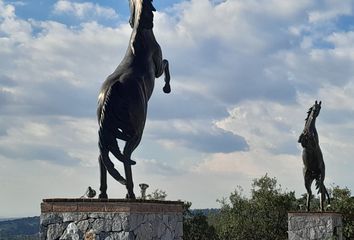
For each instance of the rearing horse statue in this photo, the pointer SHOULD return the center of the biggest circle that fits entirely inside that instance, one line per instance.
(124, 96)
(314, 167)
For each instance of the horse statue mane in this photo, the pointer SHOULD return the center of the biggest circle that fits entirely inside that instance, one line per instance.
(314, 167)
(124, 96)
(310, 128)
(142, 17)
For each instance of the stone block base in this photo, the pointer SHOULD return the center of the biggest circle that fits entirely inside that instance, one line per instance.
(315, 226)
(113, 219)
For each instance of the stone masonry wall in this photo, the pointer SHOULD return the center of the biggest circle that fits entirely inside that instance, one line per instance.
(137, 221)
(315, 226)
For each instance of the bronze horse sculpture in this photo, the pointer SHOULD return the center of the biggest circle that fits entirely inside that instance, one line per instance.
(314, 167)
(124, 96)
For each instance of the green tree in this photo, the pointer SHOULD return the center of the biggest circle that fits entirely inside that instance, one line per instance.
(262, 216)
(157, 194)
(343, 202)
(196, 226)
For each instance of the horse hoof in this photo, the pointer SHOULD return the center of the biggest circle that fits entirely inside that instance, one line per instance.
(167, 88)
(130, 196)
(103, 196)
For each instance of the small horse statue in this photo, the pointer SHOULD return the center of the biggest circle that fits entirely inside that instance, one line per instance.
(314, 167)
(124, 96)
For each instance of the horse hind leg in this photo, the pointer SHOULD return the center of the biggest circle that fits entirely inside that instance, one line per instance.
(111, 169)
(129, 147)
(308, 183)
(322, 190)
(328, 198)
(103, 179)
(324, 195)
(106, 140)
(114, 149)
(322, 200)
(308, 200)
(107, 165)
(120, 135)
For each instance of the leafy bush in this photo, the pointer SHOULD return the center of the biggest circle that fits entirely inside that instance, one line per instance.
(262, 216)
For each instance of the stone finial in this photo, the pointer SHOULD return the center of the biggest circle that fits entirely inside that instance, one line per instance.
(143, 187)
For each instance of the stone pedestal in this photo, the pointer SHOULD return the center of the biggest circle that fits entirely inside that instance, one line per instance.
(315, 225)
(113, 219)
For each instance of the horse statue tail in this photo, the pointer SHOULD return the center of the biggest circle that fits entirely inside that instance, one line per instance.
(107, 141)
(322, 190)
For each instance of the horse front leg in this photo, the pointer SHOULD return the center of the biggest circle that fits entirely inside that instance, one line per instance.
(166, 70)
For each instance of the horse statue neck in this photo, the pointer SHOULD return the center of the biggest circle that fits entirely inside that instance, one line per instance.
(142, 38)
(310, 126)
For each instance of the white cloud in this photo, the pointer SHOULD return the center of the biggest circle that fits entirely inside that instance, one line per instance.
(339, 98)
(331, 10)
(266, 126)
(73, 139)
(37, 180)
(84, 10)
(15, 30)
(254, 164)
(6, 10)
(196, 135)
(344, 47)
(235, 163)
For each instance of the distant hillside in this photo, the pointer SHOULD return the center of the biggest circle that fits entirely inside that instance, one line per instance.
(19, 229)
(205, 211)
(6, 219)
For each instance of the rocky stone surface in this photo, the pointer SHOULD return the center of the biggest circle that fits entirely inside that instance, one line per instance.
(314, 226)
(111, 226)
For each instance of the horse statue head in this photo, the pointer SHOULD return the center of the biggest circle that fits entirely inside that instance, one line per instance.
(314, 111)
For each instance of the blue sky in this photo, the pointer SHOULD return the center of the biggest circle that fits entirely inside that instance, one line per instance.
(43, 10)
(243, 73)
